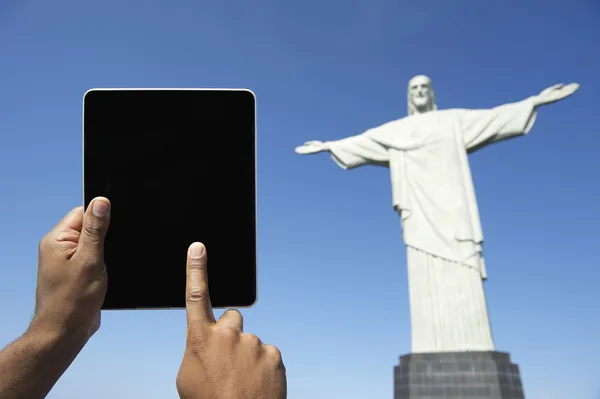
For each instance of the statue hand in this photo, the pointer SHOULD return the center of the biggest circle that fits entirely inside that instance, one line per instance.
(556, 93)
(312, 147)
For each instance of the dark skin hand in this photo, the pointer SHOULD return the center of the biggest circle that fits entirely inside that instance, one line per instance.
(70, 290)
(220, 361)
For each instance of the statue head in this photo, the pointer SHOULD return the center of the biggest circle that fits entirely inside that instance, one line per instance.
(421, 97)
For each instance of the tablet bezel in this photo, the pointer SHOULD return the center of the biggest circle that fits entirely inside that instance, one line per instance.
(255, 179)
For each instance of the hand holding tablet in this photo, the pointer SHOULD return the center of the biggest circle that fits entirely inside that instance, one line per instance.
(219, 357)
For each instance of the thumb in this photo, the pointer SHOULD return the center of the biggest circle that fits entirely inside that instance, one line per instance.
(95, 226)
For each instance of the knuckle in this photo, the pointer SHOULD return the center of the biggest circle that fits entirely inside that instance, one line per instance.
(196, 271)
(92, 230)
(195, 342)
(42, 243)
(196, 295)
(195, 264)
(252, 340)
(89, 259)
(274, 354)
(234, 313)
(229, 333)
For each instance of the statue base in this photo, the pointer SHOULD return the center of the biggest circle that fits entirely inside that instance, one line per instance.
(457, 375)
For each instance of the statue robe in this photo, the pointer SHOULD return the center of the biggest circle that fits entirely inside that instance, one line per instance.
(432, 189)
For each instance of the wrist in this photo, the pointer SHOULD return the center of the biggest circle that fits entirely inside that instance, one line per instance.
(535, 100)
(65, 326)
(63, 343)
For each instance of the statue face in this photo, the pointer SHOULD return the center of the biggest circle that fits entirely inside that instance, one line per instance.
(420, 93)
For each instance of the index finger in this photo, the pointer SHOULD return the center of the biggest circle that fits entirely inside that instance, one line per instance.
(73, 220)
(197, 299)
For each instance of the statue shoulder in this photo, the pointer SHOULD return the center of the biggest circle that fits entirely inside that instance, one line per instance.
(388, 125)
(451, 115)
(450, 112)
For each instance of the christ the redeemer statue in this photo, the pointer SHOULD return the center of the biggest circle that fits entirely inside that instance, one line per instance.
(432, 190)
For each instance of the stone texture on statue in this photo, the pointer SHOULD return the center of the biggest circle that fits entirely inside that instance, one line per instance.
(432, 190)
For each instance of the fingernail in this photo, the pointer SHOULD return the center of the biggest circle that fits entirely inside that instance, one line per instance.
(196, 250)
(100, 208)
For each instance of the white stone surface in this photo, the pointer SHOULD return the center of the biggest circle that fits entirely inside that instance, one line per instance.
(432, 190)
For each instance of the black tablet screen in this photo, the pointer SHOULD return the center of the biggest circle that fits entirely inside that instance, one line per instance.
(178, 166)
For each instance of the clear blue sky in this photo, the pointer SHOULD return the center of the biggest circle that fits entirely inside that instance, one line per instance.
(333, 285)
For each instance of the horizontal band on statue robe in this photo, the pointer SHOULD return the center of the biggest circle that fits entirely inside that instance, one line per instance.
(475, 261)
(447, 306)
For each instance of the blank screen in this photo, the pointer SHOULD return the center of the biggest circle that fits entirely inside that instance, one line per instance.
(178, 166)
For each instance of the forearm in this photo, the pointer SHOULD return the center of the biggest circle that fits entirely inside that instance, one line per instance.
(31, 365)
(357, 151)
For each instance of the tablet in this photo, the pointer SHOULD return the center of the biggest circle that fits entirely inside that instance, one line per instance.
(179, 166)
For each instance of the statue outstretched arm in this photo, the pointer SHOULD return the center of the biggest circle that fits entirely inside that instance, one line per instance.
(350, 152)
(483, 127)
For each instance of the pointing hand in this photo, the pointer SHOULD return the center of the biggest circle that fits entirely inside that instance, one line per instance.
(220, 360)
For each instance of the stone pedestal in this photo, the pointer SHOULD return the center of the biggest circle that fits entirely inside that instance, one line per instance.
(457, 375)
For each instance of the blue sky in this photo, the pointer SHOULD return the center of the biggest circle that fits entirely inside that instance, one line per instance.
(333, 284)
